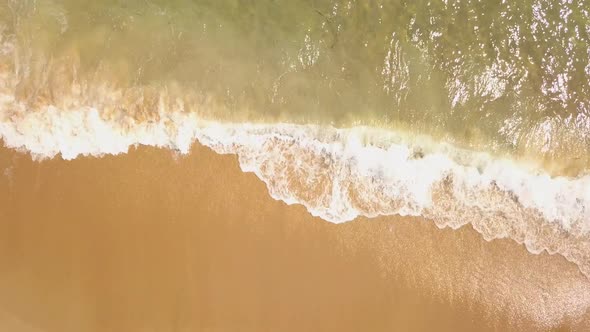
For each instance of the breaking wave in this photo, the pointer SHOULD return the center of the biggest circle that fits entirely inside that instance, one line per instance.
(340, 174)
(337, 174)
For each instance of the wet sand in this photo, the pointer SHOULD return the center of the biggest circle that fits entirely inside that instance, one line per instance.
(152, 241)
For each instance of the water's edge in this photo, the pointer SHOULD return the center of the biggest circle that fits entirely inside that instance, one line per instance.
(341, 174)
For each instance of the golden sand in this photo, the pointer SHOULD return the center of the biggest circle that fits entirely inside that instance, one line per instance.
(151, 241)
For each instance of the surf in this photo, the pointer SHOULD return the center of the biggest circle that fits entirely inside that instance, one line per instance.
(340, 174)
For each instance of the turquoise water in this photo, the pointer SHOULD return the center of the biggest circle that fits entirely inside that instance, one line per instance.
(499, 76)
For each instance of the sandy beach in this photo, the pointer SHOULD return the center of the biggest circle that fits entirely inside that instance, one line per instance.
(154, 241)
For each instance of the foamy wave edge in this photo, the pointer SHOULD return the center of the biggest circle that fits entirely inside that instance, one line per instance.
(341, 174)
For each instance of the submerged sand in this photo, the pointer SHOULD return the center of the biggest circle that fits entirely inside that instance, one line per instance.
(153, 241)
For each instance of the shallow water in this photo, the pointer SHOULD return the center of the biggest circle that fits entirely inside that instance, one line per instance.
(493, 75)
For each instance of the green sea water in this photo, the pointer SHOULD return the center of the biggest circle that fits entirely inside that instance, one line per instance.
(506, 77)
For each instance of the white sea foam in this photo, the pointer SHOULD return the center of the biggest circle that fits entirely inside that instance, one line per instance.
(337, 174)
(340, 174)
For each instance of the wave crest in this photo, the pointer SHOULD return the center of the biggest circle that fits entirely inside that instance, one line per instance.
(337, 174)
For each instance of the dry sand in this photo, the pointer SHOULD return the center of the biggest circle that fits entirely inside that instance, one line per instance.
(151, 241)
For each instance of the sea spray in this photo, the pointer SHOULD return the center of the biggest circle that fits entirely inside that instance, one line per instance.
(338, 174)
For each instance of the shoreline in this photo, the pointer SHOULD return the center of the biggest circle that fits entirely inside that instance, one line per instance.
(160, 240)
